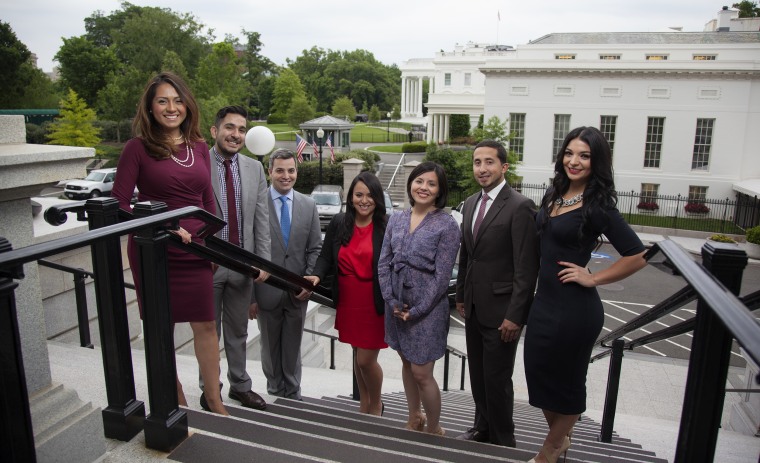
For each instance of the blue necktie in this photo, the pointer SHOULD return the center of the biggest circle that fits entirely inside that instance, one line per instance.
(285, 220)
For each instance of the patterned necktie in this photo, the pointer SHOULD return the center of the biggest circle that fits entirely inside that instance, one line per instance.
(232, 217)
(481, 214)
(285, 220)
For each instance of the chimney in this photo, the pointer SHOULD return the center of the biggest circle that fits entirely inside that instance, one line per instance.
(725, 15)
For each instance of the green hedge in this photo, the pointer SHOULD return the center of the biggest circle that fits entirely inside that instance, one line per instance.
(414, 147)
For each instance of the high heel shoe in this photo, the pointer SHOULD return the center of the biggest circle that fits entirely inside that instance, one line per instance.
(549, 452)
(565, 446)
(419, 425)
(547, 456)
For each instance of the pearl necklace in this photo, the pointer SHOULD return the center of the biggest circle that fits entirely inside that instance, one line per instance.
(569, 202)
(190, 157)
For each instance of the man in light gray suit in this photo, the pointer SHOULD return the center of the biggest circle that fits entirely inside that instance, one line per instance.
(296, 242)
(240, 190)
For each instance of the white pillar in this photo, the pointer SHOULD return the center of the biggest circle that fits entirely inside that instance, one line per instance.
(446, 119)
(419, 97)
(412, 109)
(404, 106)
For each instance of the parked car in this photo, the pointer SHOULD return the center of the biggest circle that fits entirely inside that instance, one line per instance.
(456, 212)
(390, 206)
(329, 199)
(98, 182)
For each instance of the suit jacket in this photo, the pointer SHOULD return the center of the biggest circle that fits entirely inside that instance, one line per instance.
(327, 264)
(254, 195)
(304, 244)
(498, 271)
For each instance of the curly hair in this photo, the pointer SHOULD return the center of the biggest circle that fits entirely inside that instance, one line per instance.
(600, 191)
(157, 143)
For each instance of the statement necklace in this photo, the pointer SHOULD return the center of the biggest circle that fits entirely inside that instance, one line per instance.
(190, 157)
(569, 202)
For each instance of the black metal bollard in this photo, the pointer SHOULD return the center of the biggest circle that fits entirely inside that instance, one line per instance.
(124, 415)
(166, 426)
(83, 318)
(446, 370)
(708, 366)
(16, 432)
(613, 387)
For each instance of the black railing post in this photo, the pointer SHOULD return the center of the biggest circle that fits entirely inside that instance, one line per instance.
(708, 365)
(124, 415)
(16, 432)
(83, 318)
(461, 375)
(613, 386)
(446, 370)
(332, 353)
(166, 426)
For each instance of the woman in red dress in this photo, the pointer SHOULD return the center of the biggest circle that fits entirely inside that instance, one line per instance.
(168, 161)
(350, 253)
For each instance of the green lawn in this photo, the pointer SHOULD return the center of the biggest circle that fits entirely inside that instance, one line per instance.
(361, 133)
(386, 148)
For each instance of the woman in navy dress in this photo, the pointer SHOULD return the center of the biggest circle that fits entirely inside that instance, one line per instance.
(419, 251)
(349, 254)
(567, 315)
(168, 161)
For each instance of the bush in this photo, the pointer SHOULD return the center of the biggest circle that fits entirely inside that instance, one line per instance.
(35, 134)
(277, 118)
(720, 238)
(753, 235)
(414, 147)
(460, 125)
(648, 206)
(696, 208)
(468, 140)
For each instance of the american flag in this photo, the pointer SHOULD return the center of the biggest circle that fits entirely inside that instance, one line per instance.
(300, 145)
(332, 151)
(316, 150)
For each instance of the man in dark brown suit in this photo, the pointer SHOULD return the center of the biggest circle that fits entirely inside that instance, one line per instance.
(498, 266)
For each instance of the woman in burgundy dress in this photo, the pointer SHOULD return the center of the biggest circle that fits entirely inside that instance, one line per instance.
(168, 161)
(350, 253)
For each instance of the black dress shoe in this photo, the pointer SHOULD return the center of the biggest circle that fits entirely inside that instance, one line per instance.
(474, 435)
(204, 404)
(249, 399)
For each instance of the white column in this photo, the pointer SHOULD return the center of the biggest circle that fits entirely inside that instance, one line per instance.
(446, 120)
(404, 109)
(437, 128)
(412, 110)
(419, 97)
(429, 133)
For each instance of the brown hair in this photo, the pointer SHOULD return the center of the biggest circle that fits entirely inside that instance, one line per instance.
(144, 126)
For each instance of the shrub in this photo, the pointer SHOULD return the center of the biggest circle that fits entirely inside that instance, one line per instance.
(720, 238)
(696, 208)
(277, 118)
(648, 206)
(414, 147)
(35, 134)
(753, 235)
(468, 140)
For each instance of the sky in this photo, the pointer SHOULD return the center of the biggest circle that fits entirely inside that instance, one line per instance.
(393, 30)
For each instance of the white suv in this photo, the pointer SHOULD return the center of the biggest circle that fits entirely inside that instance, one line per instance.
(98, 183)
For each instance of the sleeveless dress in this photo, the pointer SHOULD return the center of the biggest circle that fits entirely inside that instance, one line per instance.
(566, 318)
(191, 292)
(356, 320)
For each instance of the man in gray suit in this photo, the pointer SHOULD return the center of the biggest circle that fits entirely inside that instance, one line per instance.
(296, 242)
(240, 190)
(498, 267)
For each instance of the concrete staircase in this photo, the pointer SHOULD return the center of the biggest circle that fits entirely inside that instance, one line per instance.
(398, 189)
(331, 429)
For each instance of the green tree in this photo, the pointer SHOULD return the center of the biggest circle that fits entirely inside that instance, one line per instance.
(287, 87)
(365, 108)
(220, 73)
(395, 113)
(300, 111)
(84, 67)
(747, 9)
(173, 63)
(208, 108)
(74, 126)
(494, 129)
(460, 125)
(344, 108)
(118, 99)
(265, 92)
(257, 69)
(40, 92)
(374, 113)
(17, 73)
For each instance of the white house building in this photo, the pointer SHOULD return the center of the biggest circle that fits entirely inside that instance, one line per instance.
(681, 109)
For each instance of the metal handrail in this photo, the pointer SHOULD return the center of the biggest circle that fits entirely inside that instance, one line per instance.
(395, 172)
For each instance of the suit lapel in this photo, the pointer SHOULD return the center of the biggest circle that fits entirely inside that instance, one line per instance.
(493, 211)
(215, 184)
(245, 189)
(274, 223)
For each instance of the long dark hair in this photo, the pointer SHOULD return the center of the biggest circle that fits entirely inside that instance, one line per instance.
(600, 191)
(346, 228)
(144, 126)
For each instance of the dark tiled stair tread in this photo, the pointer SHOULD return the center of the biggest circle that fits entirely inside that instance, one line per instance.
(529, 442)
(202, 447)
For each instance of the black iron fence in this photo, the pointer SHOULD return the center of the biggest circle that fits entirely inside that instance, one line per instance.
(732, 216)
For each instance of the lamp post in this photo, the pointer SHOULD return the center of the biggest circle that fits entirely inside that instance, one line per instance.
(320, 134)
(388, 133)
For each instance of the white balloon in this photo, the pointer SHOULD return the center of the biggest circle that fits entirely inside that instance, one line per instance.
(259, 140)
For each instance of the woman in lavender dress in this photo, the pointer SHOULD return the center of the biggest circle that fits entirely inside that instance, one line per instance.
(414, 270)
